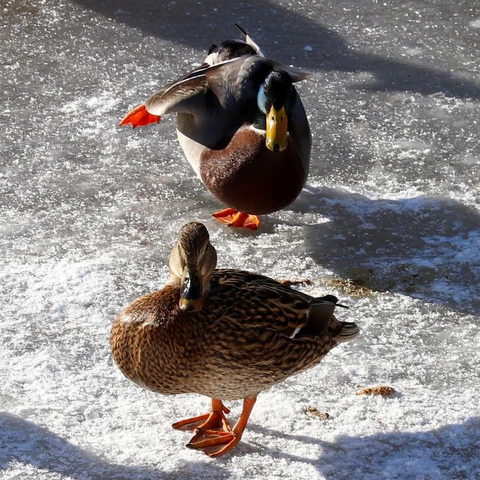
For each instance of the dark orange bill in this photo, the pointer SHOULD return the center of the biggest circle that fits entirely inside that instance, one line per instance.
(191, 297)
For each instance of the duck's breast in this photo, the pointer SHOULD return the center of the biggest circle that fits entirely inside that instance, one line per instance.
(247, 176)
(155, 344)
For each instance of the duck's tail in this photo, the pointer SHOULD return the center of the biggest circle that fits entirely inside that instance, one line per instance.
(347, 331)
(250, 41)
(322, 321)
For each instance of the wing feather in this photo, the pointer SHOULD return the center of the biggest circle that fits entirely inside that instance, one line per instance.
(181, 96)
(227, 80)
(259, 301)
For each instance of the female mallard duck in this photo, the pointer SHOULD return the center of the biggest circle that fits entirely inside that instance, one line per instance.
(242, 127)
(226, 334)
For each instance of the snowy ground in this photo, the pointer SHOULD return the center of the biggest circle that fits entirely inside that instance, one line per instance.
(389, 222)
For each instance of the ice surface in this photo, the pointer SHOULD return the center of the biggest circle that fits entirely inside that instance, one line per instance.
(389, 221)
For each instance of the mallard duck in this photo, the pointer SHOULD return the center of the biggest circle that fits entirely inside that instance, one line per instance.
(242, 127)
(227, 334)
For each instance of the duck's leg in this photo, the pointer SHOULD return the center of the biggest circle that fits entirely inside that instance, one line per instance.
(234, 218)
(216, 443)
(213, 420)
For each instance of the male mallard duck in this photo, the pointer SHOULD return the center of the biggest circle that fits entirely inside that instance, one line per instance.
(227, 334)
(242, 127)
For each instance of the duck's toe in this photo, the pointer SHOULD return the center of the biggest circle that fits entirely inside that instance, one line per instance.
(234, 218)
(208, 421)
(214, 443)
(213, 420)
(139, 117)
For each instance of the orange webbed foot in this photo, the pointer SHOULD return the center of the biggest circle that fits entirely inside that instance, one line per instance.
(215, 437)
(213, 443)
(139, 117)
(234, 218)
(214, 420)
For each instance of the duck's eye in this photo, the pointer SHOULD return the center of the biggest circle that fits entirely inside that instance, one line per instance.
(265, 87)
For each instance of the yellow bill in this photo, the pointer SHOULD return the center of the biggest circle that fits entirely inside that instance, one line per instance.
(277, 129)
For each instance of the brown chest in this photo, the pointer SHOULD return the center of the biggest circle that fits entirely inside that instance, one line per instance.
(249, 177)
(151, 349)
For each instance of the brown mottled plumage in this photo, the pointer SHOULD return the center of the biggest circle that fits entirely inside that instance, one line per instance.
(226, 334)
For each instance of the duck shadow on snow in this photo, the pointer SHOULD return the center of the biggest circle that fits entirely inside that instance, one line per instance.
(199, 24)
(424, 247)
(446, 452)
(25, 442)
(402, 455)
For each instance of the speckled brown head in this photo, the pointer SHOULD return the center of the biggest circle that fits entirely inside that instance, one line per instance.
(192, 262)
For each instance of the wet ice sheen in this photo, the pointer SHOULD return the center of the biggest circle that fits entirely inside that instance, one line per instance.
(89, 214)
